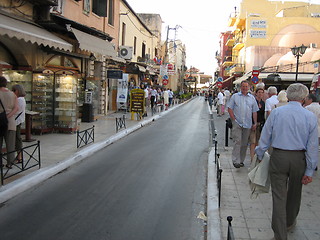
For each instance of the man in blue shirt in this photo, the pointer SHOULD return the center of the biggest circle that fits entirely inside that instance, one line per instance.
(242, 109)
(291, 131)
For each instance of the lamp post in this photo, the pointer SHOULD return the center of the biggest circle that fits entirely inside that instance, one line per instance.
(298, 52)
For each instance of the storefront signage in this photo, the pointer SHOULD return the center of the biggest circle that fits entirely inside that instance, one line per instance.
(137, 100)
(258, 33)
(114, 74)
(258, 24)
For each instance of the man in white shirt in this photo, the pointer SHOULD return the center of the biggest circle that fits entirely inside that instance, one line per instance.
(312, 105)
(227, 94)
(221, 99)
(272, 101)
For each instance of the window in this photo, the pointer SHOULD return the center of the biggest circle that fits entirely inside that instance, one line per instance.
(143, 53)
(86, 6)
(123, 40)
(134, 45)
(99, 7)
(111, 12)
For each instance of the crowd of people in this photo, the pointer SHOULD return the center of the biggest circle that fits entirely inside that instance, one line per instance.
(162, 96)
(287, 126)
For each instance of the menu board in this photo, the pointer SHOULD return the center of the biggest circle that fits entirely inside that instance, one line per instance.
(137, 100)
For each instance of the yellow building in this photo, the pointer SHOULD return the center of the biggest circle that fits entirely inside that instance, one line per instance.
(265, 31)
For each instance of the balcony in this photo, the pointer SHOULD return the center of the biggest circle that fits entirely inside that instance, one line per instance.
(237, 70)
(230, 42)
(238, 46)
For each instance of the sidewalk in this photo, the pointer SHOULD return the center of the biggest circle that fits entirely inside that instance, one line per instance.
(59, 150)
(252, 217)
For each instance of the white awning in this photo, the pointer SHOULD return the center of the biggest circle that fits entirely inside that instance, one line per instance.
(289, 77)
(94, 44)
(302, 77)
(30, 32)
(244, 77)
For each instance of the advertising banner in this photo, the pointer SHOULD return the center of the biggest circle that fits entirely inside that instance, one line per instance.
(122, 92)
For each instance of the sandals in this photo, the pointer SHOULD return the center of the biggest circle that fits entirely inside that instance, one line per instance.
(18, 161)
(9, 166)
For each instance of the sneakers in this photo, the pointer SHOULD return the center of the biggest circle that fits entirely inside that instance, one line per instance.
(238, 165)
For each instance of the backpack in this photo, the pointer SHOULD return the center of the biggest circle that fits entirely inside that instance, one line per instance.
(3, 121)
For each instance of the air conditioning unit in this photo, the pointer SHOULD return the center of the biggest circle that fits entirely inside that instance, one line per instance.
(125, 52)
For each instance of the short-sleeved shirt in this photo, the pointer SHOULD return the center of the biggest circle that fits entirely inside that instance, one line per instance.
(243, 106)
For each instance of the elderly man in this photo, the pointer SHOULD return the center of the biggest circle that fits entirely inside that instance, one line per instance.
(242, 109)
(272, 101)
(292, 132)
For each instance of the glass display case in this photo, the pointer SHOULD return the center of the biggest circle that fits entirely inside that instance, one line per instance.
(42, 103)
(66, 103)
(23, 78)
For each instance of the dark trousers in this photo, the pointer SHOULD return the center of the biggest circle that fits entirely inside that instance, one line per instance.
(286, 171)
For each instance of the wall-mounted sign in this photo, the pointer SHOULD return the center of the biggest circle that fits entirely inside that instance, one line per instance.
(258, 24)
(115, 74)
(258, 33)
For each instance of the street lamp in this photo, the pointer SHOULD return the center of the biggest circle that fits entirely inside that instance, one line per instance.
(298, 52)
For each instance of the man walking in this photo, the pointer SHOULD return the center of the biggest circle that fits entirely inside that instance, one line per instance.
(272, 101)
(292, 132)
(242, 109)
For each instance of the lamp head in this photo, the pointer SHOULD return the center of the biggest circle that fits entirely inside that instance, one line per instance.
(295, 50)
(303, 49)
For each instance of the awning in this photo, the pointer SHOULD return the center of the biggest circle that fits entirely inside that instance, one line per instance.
(94, 44)
(141, 69)
(244, 77)
(285, 77)
(30, 32)
(302, 77)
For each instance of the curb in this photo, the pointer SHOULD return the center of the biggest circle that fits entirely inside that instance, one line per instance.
(26, 182)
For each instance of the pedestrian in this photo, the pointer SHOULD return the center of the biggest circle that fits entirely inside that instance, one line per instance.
(166, 98)
(242, 109)
(227, 94)
(255, 134)
(292, 132)
(221, 102)
(210, 98)
(9, 103)
(282, 98)
(312, 105)
(171, 94)
(20, 118)
(272, 100)
(153, 97)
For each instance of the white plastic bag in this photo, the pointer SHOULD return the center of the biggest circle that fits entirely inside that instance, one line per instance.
(259, 179)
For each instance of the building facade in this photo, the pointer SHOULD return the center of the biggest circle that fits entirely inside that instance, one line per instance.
(264, 33)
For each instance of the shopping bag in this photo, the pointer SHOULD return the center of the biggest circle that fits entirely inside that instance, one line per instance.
(259, 179)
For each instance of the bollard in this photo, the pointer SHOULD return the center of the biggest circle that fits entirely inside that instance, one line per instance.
(227, 134)
(230, 230)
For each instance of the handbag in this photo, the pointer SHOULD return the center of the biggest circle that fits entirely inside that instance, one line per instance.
(3, 121)
(259, 179)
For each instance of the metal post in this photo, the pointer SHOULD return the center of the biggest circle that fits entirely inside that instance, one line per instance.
(298, 55)
(227, 135)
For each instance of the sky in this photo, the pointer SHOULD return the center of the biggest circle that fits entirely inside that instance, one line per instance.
(201, 23)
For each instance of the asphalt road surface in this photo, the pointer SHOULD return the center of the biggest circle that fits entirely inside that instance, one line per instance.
(149, 185)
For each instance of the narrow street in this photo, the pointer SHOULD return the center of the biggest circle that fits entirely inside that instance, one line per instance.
(149, 185)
